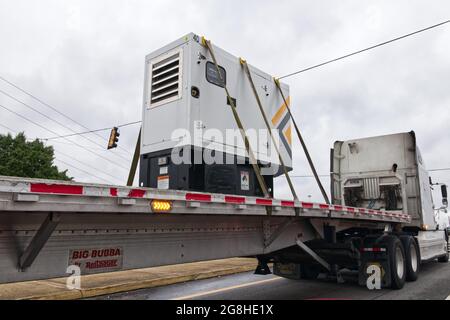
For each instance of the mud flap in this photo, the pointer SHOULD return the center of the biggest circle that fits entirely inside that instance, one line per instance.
(379, 259)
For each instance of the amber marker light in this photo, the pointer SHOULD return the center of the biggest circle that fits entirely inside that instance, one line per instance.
(161, 206)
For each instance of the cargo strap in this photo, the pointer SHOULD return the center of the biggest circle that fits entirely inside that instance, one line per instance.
(231, 102)
(39, 240)
(305, 149)
(269, 128)
(135, 161)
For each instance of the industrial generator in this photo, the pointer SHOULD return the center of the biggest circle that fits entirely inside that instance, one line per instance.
(190, 139)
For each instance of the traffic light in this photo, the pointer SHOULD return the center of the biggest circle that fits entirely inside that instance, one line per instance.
(113, 138)
(444, 195)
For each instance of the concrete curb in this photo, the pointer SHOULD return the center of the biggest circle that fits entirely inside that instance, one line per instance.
(161, 282)
(123, 281)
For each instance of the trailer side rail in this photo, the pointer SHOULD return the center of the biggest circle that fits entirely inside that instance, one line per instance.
(33, 192)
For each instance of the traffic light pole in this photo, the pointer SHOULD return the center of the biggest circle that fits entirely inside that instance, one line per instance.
(135, 161)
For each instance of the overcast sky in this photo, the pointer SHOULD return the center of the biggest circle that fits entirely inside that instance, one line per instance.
(86, 59)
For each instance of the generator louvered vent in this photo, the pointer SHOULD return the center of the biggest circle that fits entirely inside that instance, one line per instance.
(166, 80)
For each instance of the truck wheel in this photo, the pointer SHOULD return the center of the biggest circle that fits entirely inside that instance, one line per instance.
(308, 272)
(444, 259)
(397, 261)
(412, 257)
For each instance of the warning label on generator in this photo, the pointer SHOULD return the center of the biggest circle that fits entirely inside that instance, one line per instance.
(97, 260)
(163, 182)
(245, 181)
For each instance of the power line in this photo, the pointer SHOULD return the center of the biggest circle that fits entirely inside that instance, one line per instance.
(92, 131)
(59, 142)
(86, 172)
(88, 165)
(29, 140)
(72, 144)
(365, 49)
(7, 128)
(441, 169)
(51, 119)
(53, 108)
(53, 132)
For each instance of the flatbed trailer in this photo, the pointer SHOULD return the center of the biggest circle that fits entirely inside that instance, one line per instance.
(47, 226)
(381, 221)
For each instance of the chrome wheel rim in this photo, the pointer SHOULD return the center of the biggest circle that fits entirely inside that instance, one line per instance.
(414, 259)
(400, 261)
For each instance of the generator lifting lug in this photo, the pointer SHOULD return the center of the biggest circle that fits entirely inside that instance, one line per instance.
(39, 240)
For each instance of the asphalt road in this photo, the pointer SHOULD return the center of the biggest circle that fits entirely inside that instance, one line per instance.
(433, 283)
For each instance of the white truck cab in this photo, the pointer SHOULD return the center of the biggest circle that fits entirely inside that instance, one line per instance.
(384, 173)
(388, 173)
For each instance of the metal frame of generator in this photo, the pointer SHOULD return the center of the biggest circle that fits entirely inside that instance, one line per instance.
(184, 90)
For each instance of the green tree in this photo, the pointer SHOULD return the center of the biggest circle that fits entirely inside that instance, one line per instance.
(20, 158)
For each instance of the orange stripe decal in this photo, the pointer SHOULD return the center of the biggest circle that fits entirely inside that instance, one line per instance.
(276, 118)
(288, 135)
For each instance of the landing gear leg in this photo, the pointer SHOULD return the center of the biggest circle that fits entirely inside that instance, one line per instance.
(262, 268)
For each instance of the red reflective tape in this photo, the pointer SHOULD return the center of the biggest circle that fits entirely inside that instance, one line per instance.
(374, 249)
(287, 203)
(324, 206)
(350, 209)
(113, 192)
(238, 200)
(362, 210)
(371, 212)
(198, 197)
(136, 193)
(307, 205)
(264, 202)
(56, 188)
(338, 208)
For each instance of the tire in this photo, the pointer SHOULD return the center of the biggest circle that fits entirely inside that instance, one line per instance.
(397, 261)
(309, 272)
(412, 257)
(444, 259)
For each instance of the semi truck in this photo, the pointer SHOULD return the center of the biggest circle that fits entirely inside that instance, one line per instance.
(383, 173)
(381, 213)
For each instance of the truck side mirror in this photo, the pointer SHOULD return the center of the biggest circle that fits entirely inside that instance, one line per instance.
(444, 195)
